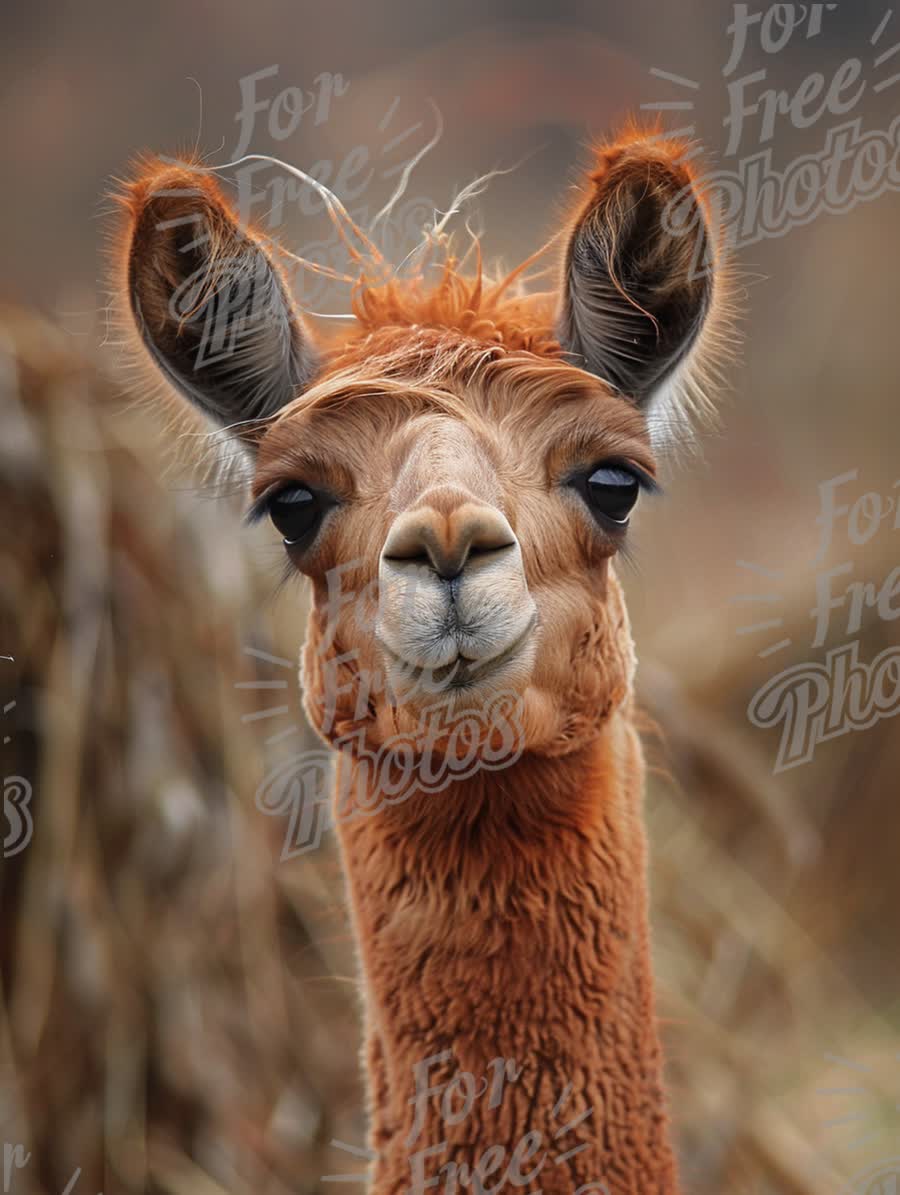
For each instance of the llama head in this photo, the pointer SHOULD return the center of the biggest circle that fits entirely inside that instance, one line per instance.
(456, 472)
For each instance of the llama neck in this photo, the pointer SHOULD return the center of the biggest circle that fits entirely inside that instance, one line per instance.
(502, 928)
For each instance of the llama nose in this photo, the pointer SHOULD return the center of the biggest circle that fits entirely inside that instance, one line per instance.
(447, 542)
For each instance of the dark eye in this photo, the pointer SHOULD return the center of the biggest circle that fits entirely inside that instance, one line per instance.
(612, 492)
(296, 513)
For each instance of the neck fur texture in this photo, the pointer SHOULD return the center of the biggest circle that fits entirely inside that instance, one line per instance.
(502, 931)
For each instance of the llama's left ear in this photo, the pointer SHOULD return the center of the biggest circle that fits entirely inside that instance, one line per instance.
(638, 281)
(209, 304)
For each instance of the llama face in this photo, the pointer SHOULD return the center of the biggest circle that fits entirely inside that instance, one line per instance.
(458, 522)
(456, 474)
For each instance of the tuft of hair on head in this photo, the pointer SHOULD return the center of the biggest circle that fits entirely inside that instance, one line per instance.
(483, 308)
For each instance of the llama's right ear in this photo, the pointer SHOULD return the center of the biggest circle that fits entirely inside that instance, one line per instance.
(210, 306)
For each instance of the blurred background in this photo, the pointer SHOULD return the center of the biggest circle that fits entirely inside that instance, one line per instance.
(178, 1006)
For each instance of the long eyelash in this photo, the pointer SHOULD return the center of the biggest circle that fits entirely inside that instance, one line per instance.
(647, 483)
(260, 508)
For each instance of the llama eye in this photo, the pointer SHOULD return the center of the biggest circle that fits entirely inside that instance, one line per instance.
(296, 513)
(612, 492)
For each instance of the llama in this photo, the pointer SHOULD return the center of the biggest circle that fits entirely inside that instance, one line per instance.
(469, 456)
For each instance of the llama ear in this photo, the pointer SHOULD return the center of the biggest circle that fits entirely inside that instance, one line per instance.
(638, 284)
(211, 307)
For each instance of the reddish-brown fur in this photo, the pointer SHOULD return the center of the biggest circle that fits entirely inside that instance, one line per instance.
(506, 916)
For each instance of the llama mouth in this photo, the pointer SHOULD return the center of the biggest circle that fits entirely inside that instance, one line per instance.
(461, 673)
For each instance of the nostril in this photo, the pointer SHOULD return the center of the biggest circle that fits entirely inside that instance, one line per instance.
(490, 549)
(446, 544)
(407, 557)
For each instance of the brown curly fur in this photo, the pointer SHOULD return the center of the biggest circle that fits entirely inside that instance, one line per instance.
(505, 917)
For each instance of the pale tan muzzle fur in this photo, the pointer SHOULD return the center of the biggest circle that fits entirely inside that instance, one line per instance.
(454, 612)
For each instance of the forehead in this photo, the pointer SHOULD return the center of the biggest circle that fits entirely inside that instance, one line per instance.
(435, 448)
(394, 426)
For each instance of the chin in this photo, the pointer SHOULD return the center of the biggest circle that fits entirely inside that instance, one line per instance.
(461, 710)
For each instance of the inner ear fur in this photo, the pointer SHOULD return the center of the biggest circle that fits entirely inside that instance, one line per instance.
(210, 305)
(638, 268)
